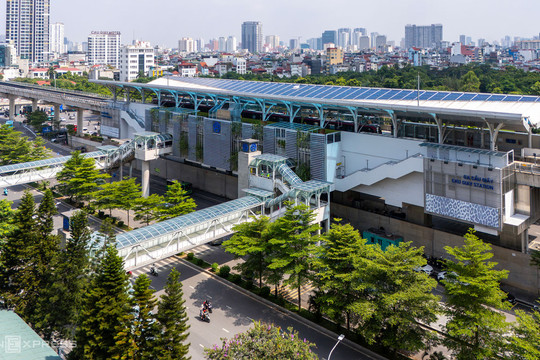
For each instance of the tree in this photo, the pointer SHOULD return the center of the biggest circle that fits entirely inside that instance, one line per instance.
(172, 317)
(535, 88)
(395, 299)
(535, 258)
(37, 119)
(106, 197)
(6, 220)
(128, 192)
(15, 148)
(293, 244)
(146, 208)
(251, 241)
(177, 202)
(137, 338)
(102, 242)
(15, 254)
(79, 178)
(61, 304)
(263, 342)
(476, 329)
(333, 265)
(470, 82)
(105, 306)
(525, 340)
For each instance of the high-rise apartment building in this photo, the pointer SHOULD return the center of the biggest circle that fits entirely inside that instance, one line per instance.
(56, 39)
(186, 45)
(272, 41)
(293, 44)
(380, 42)
(425, 37)
(344, 37)
(329, 37)
(104, 48)
(27, 24)
(363, 43)
(8, 54)
(231, 44)
(135, 59)
(252, 38)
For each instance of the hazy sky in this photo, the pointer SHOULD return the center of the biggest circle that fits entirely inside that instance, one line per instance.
(163, 22)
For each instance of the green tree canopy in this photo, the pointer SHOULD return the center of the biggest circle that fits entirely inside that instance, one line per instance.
(177, 202)
(470, 82)
(37, 119)
(147, 208)
(15, 148)
(263, 342)
(525, 340)
(472, 297)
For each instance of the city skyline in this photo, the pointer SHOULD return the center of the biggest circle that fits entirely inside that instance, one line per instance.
(480, 19)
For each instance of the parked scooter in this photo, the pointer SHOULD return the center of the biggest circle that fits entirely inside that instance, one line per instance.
(5, 191)
(153, 271)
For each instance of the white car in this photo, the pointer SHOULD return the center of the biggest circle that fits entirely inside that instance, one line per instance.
(428, 269)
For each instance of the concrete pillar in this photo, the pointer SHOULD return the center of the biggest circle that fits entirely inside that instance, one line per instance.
(80, 114)
(121, 170)
(395, 125)
(11, 107)
(530, 138)
(131, 169)
(493, 134)
(440, 130)
(34, 105)
(57, 115)
(145, 178)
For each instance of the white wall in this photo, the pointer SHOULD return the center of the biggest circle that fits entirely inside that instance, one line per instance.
(408, 189)
(376, 149)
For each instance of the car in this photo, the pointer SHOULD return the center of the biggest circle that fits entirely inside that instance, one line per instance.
(510, 298)
(428, 269)
(444, 275)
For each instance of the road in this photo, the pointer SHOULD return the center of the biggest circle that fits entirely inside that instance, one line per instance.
(235, 311)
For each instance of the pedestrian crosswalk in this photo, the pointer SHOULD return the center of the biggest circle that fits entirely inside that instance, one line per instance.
(291, 294)
(160, 264)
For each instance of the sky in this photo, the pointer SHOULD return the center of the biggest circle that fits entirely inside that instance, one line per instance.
(164, 22)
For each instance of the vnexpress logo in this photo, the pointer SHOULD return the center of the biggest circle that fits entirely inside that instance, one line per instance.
(12, 344)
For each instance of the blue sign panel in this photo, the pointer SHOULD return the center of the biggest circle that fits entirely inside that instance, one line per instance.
(46, 129)
(216, 127)
(65, 223)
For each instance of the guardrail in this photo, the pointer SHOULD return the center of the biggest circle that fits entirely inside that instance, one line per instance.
(526, 168)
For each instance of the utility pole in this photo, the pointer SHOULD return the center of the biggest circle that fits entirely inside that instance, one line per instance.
(418, 91)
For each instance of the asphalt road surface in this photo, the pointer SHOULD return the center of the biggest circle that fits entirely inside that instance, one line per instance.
(235, 311)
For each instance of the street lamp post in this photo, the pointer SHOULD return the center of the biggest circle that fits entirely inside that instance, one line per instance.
(340, 337)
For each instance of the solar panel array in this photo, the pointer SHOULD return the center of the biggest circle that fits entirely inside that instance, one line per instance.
(332, 92)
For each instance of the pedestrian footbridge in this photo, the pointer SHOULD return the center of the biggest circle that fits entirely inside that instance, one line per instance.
(145, 146)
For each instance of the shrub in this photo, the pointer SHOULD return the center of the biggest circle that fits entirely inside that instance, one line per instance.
(101, 214)
(215, 267)
(265, 291)
(235, 278)
(249, 285)
(120, 223)
(224, 271)
(190, 256)
(199, 262)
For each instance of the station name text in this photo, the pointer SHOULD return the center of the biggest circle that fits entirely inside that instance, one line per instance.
(475, 181)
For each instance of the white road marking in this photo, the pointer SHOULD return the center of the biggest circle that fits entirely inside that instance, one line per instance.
(208, 296)
(201, 345)
(228, 307)
(225, 330)
(250, 318)
(192, 287)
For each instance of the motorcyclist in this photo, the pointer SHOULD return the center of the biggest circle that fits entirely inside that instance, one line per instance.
(207, 305)
(5, 191)
(153, 270)
(203, 313)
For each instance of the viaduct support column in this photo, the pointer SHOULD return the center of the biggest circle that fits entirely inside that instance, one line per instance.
(11, 108)
(34, 105)
(57, 116)
(145, 178)
(80, 113)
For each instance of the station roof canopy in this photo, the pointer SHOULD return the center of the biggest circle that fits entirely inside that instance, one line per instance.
(516, 112)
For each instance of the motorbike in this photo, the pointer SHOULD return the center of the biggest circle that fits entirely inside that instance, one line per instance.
(204, 316)
(153, 271)
(208, 306)
(5, 192)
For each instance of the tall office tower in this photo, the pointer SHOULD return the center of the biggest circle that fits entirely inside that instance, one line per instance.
(293, 44)
(252, 36)
(135, 59)
(344, 37)
(425, 37)
(222, 43)
(373, 38)
(272, 41)
(481, 42)
(468, 40)
(231, 44)
(363, 43)
(104, 48)
(355, 39)
(380, 42)
(56, 36)
(329, 37)
(462, 39)
(27, 24)
(186, 45)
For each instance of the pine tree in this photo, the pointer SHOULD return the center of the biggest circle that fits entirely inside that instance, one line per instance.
(177, 202)
(60, 305)
(476, 329)
(105, 306)
(137, 340)
(525, 340)
(15, 255)
(6, 221)
(172, 318)
(293, 245)
(146, 208)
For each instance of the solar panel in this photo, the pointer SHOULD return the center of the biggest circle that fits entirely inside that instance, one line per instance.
(413, 95)
(281, 88)
(365, 94)
(512, 98)
(269, 89)
(466, 97)
(529, 98)
(452, 96)
(496, 97)
(305, 90)
(342, 93)
(427, 95)
(376, 94)
(400, 95)
(332, 91)
(481, 97)
(439, 96)
(354, 93)
(388, 94)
